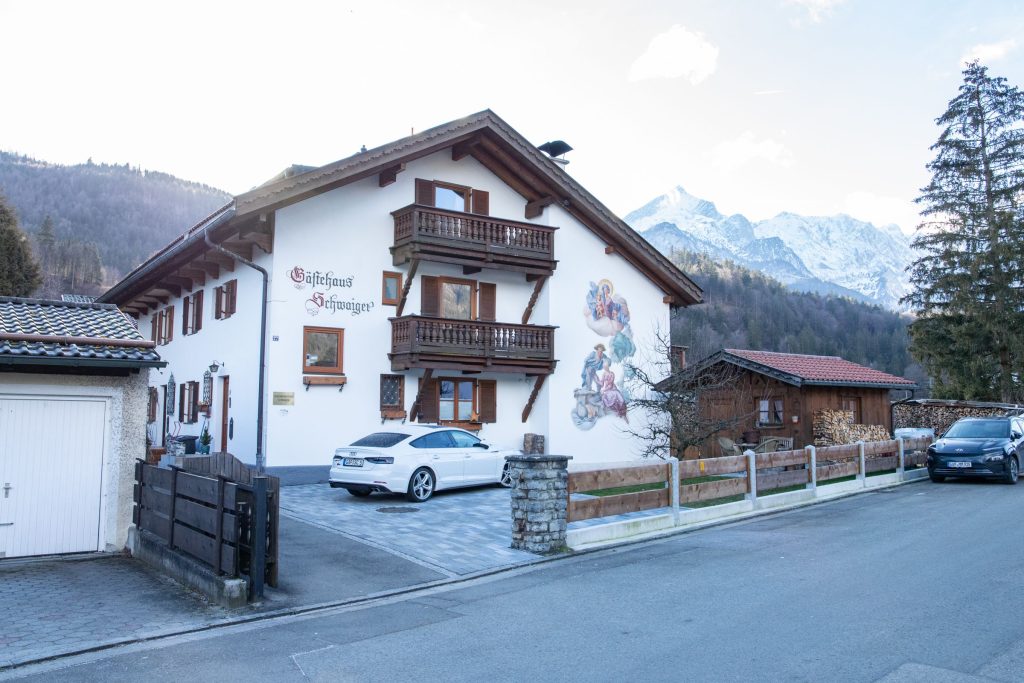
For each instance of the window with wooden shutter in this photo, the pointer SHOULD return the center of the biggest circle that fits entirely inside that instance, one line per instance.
(488, 303)
(182, 390)
(424, 192)
(231, 290)
(186, 321)
(428, 402)
(481, 202)
(197, 311)
(430, 300)
(488, 400)
(168, 324)
(155, 328)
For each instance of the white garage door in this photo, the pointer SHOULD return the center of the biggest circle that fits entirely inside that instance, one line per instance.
(51, 474)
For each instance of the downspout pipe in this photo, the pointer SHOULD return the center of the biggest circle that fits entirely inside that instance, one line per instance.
(261, 464)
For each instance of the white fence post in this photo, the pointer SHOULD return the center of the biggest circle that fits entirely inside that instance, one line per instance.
(751, 475)
(862, 473)
(901, 463)
(812, 456)
(674, 488)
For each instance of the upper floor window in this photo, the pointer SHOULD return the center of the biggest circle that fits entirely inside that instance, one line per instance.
(163, 326)
(323, 350)
(226, 296)
(192, 313)
(452, 197)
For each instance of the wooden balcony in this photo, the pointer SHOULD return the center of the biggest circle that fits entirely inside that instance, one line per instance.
(472, 241)
(471, 346)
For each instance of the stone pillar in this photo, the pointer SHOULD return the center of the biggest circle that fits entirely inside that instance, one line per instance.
(533, 444)
(540, 500)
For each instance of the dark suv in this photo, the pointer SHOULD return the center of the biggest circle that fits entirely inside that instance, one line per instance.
(979, 447)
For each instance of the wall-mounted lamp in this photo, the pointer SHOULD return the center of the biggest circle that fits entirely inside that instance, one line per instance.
(215, 366)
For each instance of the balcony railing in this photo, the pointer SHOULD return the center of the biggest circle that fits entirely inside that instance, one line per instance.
(469, 239)
(422, 342)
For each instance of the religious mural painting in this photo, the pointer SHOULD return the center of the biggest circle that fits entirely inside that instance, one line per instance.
(602, 392)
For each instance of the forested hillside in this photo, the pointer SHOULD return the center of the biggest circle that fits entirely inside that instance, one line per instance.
(103, 219)
(747, 310)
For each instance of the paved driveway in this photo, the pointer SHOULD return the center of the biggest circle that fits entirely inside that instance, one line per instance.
(455, 532)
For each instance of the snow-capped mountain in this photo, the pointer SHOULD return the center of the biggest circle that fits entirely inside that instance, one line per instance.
(824, 254)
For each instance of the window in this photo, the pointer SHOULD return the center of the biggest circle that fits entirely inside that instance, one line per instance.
(851, 404)
(452, 197)
(392, 396)
(391, 288)
(226, 297)
(441, 439)
(464, 440)
(323, 349)
(192, 313)
(769, 412)
(445, 297)
(163, 326)
(381, 440)
(154, 404)
(188, 398)
(456, 400)
(466, 402)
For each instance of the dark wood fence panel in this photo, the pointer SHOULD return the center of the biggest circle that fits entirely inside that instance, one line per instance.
(781, 459)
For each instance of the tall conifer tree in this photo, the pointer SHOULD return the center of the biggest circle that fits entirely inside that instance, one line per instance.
(19, 272)
(968, 284)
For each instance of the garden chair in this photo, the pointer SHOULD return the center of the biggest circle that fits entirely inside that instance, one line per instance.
(729, 446)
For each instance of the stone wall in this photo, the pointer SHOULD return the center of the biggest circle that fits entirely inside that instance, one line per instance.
(539, 502)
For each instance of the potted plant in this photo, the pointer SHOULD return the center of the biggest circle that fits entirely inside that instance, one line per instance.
(204, 441)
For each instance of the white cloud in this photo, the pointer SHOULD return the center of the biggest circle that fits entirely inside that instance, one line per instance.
(676, 53)
(733, 154)
(989, 52)
(882, 210)
(816, 9)
(760, 93)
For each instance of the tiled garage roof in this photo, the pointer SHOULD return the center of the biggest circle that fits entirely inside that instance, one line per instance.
(821, 369)
(45, 332)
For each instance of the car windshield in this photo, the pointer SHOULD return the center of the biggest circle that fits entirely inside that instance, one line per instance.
(979, 429)
(381, 440)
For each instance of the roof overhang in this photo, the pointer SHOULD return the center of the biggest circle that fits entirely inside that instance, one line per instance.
(51, 363)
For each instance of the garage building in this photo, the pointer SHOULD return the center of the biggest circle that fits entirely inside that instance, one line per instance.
(73, 402)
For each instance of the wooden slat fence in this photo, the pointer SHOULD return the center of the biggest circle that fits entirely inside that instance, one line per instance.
(778, 470)
(211, 519)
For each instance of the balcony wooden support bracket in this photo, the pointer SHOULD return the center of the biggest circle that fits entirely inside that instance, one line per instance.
(414, 412)
(535, 208)
(405, 288)
(538, 383)
(390, 175)
(537, 287)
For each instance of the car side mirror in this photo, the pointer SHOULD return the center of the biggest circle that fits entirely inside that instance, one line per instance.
(1016, 435)
(481, 444)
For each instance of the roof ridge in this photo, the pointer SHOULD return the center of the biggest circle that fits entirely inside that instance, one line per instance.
(56, 302)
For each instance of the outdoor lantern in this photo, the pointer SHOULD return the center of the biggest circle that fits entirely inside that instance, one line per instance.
(215, 366)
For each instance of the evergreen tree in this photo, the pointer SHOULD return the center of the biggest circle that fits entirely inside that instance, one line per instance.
(46, 238)
(967, 285)
(19, 272)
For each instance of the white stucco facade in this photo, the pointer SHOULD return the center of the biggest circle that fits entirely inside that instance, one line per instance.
(343, 236)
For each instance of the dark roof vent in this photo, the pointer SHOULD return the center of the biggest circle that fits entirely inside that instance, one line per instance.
(555, 148)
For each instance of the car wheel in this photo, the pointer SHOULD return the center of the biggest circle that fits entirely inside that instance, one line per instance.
(1012, 471)
(359, 491)
(506, 475)
(937, 478)
(421, 485)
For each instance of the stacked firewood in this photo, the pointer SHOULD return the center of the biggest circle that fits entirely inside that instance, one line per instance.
(938, 417)
(836, 427)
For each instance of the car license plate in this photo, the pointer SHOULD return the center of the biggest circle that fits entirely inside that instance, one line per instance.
(959, 464)
(358, 462)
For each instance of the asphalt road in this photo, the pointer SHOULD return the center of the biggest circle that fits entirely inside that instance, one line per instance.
(918, 583)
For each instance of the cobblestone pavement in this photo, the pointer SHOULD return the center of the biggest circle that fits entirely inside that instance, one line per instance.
(455, 532)
(57, 606)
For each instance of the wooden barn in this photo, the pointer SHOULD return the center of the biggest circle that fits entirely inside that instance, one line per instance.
(763, 394)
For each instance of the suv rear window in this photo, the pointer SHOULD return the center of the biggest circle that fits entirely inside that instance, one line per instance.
(381, 440)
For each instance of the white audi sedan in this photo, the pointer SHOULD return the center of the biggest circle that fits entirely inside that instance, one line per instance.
(417, 460)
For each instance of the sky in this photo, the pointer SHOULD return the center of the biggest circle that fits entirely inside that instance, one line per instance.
(761, 106)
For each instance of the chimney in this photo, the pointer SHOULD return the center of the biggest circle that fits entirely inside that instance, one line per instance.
(555, 150)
